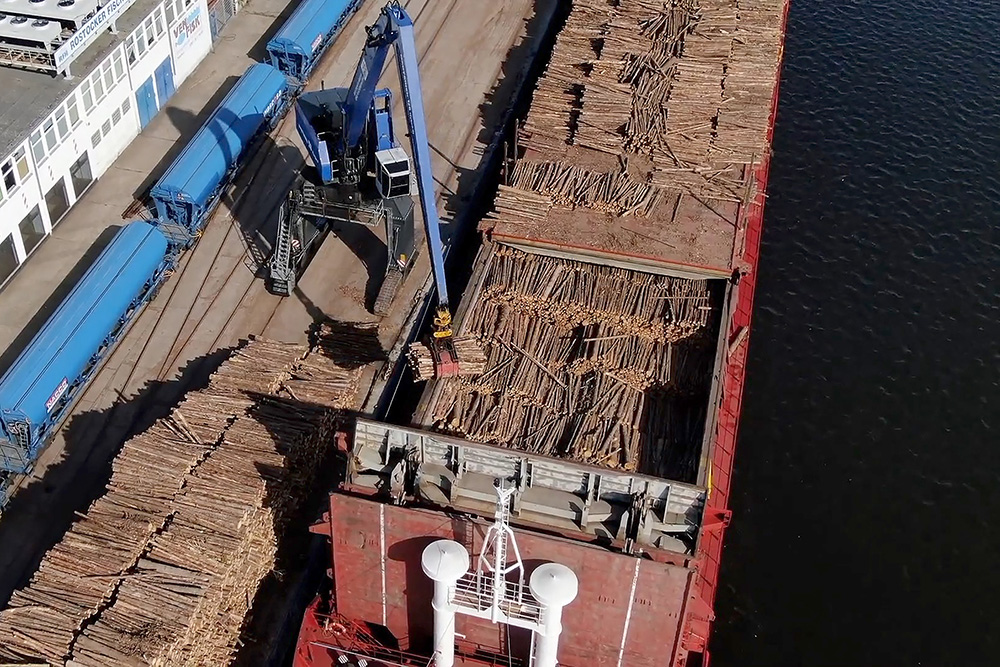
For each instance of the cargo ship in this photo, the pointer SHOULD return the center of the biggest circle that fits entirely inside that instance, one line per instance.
(568, 505)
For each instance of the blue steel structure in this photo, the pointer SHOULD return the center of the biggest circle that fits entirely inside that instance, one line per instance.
(189, 190)
(297, 46)
(44, 381)
(361, 174)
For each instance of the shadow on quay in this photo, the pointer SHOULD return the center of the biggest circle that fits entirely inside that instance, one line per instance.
(258, 51)
(41, 511)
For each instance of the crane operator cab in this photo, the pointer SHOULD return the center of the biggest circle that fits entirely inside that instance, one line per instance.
(392, 177)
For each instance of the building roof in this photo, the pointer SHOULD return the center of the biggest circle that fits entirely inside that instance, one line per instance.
(27, 97)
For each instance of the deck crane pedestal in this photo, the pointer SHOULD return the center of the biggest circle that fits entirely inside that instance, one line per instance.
(361, 175)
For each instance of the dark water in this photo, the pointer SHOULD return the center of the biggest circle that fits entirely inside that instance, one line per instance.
(867, 491)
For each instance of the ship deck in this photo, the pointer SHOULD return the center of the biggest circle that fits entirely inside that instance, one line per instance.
(642, 143)
(617, 237)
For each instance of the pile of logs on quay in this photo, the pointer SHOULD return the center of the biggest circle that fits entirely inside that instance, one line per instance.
(163, 568)
(597, 364)
(644, 103)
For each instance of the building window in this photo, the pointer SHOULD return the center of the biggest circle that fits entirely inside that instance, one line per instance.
(62, 127)
(49, 131)
(8, 259)
(109, 75)
(126, 105)
(88, 96)
(21, 160)
(37, 149)
(98, 87)
(106, 128)
(119, 67)
(7, 169)
(169, 7)
(74, 113)
(81, 175)
(116, 116)
(32, 230)
(57, 202)
(95, 138)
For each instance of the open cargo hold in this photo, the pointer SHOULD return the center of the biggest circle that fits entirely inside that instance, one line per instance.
(297, 47)
(597, 364)
(40, 386)
(186, 194)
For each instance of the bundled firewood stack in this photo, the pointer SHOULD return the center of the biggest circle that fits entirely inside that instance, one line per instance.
(580, 357)
(163, 568)
(682, 86)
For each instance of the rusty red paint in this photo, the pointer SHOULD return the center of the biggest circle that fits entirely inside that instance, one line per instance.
(616, 591)
(709, 556)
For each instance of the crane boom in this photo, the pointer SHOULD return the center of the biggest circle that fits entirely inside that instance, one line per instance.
(394, 28)
(362, 175)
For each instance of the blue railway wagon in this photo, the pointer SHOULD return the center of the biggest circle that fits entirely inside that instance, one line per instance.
(190, 188)
(296, 48)
(41, 385)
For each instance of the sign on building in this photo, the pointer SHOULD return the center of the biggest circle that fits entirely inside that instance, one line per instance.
(88, 32)
(190, 39)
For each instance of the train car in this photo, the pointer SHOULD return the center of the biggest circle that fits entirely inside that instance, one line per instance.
(189, 190)
(297, 47)
(37, 391)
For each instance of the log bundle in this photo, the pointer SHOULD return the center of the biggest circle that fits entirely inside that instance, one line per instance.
(469, 353)
(163, 568)
(644, 101)
(597, 364)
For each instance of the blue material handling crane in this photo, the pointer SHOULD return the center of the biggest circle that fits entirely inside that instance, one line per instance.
(360, 174)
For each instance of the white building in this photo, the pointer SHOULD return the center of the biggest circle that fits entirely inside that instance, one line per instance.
(58, 135)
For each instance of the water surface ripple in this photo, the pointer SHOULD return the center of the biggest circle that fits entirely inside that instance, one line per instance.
(867, 489)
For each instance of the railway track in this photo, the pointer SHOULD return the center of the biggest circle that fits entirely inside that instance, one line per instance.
(214, 299)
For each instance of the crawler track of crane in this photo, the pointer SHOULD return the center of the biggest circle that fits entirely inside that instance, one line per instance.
(215, 299)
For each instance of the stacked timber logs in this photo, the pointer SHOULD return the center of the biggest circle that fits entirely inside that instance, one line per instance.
(598, 364)
(163, 568)
(683, 85)
(552, 120)
(571, 186)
